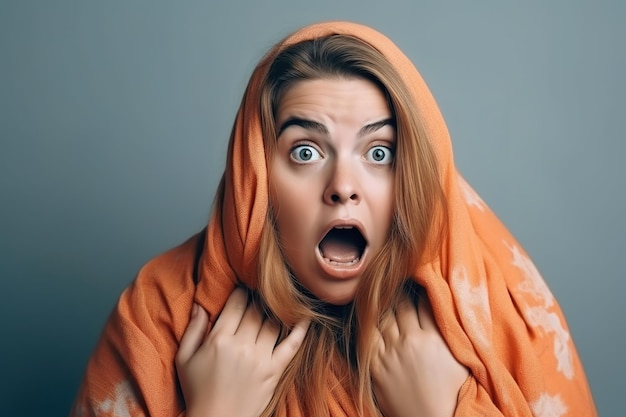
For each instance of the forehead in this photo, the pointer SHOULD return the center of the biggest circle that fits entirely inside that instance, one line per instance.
(348, 98)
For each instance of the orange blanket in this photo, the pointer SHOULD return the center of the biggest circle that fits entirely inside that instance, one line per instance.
(491, 304)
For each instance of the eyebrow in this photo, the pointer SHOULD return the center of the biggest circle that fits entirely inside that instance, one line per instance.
(373, 127)
(320, 128)
(303, 123)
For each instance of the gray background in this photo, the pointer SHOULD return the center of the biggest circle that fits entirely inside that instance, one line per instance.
(114, 118)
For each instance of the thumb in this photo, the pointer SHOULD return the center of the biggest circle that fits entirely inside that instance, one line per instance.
(194, 334)
(287, 349)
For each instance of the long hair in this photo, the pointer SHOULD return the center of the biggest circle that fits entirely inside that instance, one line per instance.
(340, 339)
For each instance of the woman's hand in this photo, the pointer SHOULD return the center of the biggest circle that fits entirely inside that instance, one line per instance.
(234, 369)
(413, 371)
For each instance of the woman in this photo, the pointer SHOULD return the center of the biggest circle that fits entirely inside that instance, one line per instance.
(379, 282)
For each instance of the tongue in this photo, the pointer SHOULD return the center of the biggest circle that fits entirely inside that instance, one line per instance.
(338, 250)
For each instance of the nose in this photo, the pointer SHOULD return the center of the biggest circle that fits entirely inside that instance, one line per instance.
(343, 186)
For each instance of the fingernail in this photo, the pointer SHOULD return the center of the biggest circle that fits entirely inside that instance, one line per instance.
(194, 310)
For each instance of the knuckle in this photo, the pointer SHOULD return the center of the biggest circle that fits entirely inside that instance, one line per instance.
(182, 358)
(291, 346)
(218, 342)
(411, 342)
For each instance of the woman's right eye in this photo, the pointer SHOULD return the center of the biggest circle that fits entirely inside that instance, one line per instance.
(303, 154)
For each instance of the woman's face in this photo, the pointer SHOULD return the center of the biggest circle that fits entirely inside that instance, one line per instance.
(332, 182)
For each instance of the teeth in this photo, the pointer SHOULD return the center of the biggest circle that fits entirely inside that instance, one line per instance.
(353, 262)
(344, 227)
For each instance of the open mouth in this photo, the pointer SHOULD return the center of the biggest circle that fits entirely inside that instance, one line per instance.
(343, 246)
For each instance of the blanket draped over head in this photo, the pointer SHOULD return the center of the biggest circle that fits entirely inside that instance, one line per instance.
(491, 304)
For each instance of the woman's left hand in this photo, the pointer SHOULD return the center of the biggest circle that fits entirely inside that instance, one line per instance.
(413, 370)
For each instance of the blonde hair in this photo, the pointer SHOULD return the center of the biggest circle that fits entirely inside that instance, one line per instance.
(340, 338)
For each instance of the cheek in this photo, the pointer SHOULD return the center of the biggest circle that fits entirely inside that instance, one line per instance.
(386, 212)
(286, 225)
(384, 206)
(287, 209)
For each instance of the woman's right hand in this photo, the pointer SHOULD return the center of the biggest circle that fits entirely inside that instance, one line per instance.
(233, 369)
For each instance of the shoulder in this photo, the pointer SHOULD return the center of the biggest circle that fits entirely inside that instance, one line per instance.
(161, 296)
(132, 366)
(171, 272)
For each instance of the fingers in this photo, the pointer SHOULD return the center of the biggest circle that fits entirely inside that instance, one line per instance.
(287, 349)
(425, 314)
(403, 321)
(407, 317)
(379, 353)
(251, 323)
(232, 313)
(194, 334)
(379, 341)
(268, 334)
(389, 329)
(247, 324)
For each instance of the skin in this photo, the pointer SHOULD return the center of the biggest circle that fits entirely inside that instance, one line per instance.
(332, 167)
(413, 371)
(233, 370)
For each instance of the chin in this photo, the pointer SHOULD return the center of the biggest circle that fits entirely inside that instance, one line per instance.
(336, 296)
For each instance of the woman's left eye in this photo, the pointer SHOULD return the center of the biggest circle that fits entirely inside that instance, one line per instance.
(380, 155)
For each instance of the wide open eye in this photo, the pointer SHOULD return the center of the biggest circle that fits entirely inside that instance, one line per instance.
(379, 155)
(304, 154)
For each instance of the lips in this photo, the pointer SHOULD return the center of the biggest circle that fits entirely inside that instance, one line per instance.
(342, 249)
(342, 245)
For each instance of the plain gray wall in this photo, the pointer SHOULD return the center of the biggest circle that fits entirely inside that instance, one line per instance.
(114, 118)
